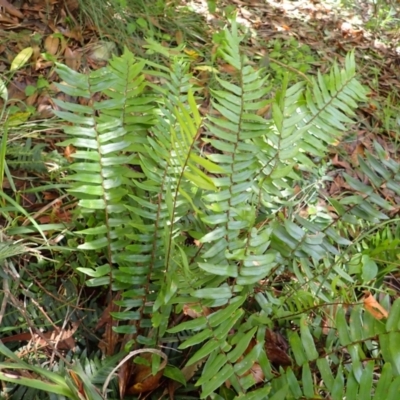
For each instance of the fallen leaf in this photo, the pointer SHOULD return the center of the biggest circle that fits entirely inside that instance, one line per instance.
(69, 150)
(71, 5)
(145, 381)
(51, 44)
(11, 9)
(340, 163)
(142, 379)
(228, 69)
(195, 310)
(373, 307)
(75, 33)
(358, 151)
(77, 380)
(50, 196)
(276, 348)
(62, 339)
(72, 58)
(32, 99)
(21, 58)
(257, 373)
(265, 111)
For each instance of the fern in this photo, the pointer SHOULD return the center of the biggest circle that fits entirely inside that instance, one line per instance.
(221, 231)
(26, 158)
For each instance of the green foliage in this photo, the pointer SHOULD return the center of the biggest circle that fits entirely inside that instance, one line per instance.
(26, 157)
(289, 52)
(61, 383)
(127, 22)
(54, 383)
(208, 213)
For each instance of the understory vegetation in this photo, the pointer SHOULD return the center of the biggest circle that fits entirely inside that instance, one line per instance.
(197, 241)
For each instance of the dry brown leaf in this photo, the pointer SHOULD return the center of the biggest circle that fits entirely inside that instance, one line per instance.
(195, 310)
(373, 307)
(74, 33)
(69, 150)
(227, 69)
(358, 151)
(56, 216)
(203, 77)
(62, 339)
(336, 187)
(143, 380)
(71, 5)
(72, 58)
(265, 111)
(257, 373)
(31, 100)
(197, 243)
(11, 9)
(340, 163)
(50, 195)
(277, 347)
(77, 380)
(16, 89)
(45, 107)
(51, 44)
